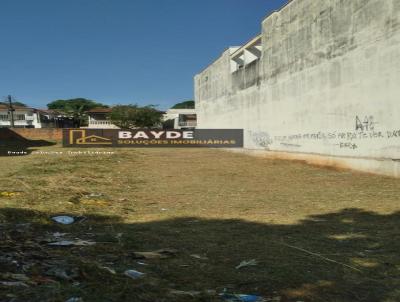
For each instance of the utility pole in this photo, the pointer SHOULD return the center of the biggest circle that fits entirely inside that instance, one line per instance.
(11, 111)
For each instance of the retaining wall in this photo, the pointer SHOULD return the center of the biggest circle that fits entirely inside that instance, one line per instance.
(31, 134)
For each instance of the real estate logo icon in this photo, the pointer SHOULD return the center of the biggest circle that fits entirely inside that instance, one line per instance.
(78, 137)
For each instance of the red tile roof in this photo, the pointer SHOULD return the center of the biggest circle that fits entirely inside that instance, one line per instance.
(5, 107)
(99, 110)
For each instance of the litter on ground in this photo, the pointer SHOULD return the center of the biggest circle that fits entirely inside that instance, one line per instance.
(134, 274)
(252, 262)
(241, 298)
(72, 243)
(159, 254)
(64, 219)
(199, 257)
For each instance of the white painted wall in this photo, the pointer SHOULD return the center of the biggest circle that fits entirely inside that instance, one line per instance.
(328, 82)
(31, 118)
(173, 114)
(99, 121)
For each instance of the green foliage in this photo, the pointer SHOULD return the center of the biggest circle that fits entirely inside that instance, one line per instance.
(14, 104)
(75, 107)
(133, 116)
(184, 105)
(19, 104)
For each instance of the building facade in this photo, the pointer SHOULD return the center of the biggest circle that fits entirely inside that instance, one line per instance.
(322, 79)
(180, 118)
(98, 119)
(24, 117)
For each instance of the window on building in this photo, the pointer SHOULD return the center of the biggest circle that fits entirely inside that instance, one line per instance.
(20, 117)
(4, 117)
(247, 54)
(237, 62)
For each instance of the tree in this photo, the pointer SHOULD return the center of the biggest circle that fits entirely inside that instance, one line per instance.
(19, 104)
(133, 116)
(14, 104)
(185, 105)
(75, 108)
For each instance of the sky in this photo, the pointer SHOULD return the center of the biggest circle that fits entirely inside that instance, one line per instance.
(118, 51)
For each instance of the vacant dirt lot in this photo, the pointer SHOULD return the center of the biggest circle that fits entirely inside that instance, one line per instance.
(316, 234)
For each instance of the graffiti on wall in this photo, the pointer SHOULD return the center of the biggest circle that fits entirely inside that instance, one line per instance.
(366, 124)
(342, 135)
(363, 134)
(261, 139)
(365, 129)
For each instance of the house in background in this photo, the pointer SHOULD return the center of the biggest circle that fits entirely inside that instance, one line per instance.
(24, 117)
(180, 119)
(50, 118)
(27, 117)
(98, 119)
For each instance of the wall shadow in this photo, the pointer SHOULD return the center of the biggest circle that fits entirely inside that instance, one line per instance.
(350, 256)
(13, 144)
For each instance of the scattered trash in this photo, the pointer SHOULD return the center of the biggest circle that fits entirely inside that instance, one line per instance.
(320, 256)
(58, 235)
(14, 284)
(134, 274)
(241, 298)
(72, 243)
(142, 263)
(64, 219)
(74, 299)
(252, 262)
(199, 257)
(95, 195)
(108, 269)
(160, 254)
(164, 209)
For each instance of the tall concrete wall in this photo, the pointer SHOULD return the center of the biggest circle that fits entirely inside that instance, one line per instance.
(327, 83)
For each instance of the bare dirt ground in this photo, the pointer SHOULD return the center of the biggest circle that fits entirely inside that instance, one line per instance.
(315, 234)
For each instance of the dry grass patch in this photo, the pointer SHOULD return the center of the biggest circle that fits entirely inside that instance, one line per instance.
(317, 234)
